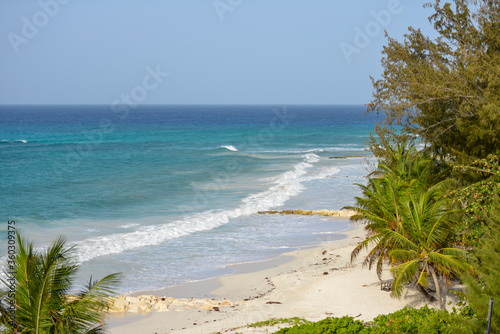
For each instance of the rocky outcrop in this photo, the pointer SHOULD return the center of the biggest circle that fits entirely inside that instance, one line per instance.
(351, 156)
(148, 303)
(330, 213)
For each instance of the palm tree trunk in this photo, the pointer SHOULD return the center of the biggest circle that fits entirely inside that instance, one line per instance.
(438, 289)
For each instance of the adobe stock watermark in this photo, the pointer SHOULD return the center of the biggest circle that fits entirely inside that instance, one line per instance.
(364, 36)
(31, 25)
(222, 7)
(121, 108)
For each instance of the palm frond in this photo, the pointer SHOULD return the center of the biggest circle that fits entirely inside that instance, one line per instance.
(43, 281)
(448, 264)
(403, 274)
(402, 255)
(364, 245)
(423, 278)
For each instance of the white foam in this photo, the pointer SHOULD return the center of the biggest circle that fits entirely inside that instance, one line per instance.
(311, 157)
(129, 225)
(229, 147)
(318, 233)
(346, 147)
(14, 141)
(312, 150)
(283, 187)
(322, 174)
(277, 247)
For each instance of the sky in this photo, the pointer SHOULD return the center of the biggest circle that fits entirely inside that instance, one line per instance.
(197, 51)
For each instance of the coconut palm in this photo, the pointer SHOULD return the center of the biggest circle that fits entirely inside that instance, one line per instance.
(421, 246)
(42, 301)
(400, 195)
(398, 159)
(380, 207)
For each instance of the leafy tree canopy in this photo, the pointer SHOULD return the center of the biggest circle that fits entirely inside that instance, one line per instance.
(476, 197)
(445, 91)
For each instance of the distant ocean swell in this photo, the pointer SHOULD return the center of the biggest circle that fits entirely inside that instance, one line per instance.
(94, 138)
(283, 187)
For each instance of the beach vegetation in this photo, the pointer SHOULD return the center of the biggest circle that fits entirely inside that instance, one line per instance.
(476, 194)
(407, 320)
(410, 222)
(278, 321)
(441, 95)
(410, 225)
(41, 299)
(379, 205)
(424, 320)
(344, 325)
(421, 246)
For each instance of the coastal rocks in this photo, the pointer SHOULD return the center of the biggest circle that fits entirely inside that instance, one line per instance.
(119, 305)
(148, 303)
(145, 307)
(161, 307)
(330, 213)
(132, 300)
(336, 213)
(350, 156)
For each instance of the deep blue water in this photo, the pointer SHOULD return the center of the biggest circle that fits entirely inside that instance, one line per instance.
(173, 191)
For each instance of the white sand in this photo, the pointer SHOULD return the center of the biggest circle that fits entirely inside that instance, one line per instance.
(295, 288)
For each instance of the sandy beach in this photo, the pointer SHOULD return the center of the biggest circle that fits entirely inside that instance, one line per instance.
(310, 283)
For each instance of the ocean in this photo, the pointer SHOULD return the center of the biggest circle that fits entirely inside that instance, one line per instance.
(171, 194)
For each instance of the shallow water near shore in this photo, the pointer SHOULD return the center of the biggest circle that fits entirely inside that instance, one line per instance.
(169, 195)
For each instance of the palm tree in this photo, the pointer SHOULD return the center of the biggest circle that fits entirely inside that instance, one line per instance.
(407, 218)
(42, 301)
(380, 206)
(379, 209)
(420, 247)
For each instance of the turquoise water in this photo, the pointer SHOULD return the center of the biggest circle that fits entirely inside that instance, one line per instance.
(171, 194)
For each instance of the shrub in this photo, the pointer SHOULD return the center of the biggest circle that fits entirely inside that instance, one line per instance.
(407, 320)
(344, 325)
(410, 320)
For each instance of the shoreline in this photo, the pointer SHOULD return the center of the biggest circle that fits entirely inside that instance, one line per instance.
(311, 283)
(196, 289)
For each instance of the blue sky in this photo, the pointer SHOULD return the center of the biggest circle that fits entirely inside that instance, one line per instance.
(197, 51)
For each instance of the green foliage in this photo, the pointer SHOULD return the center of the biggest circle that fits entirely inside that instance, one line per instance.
(380, 205)
(476, 197)
(344, 325)
(487, 284)
(447, 90)
(274, 322)
(409, 320)
(423, 239)
(410, 222)
(42, 301)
